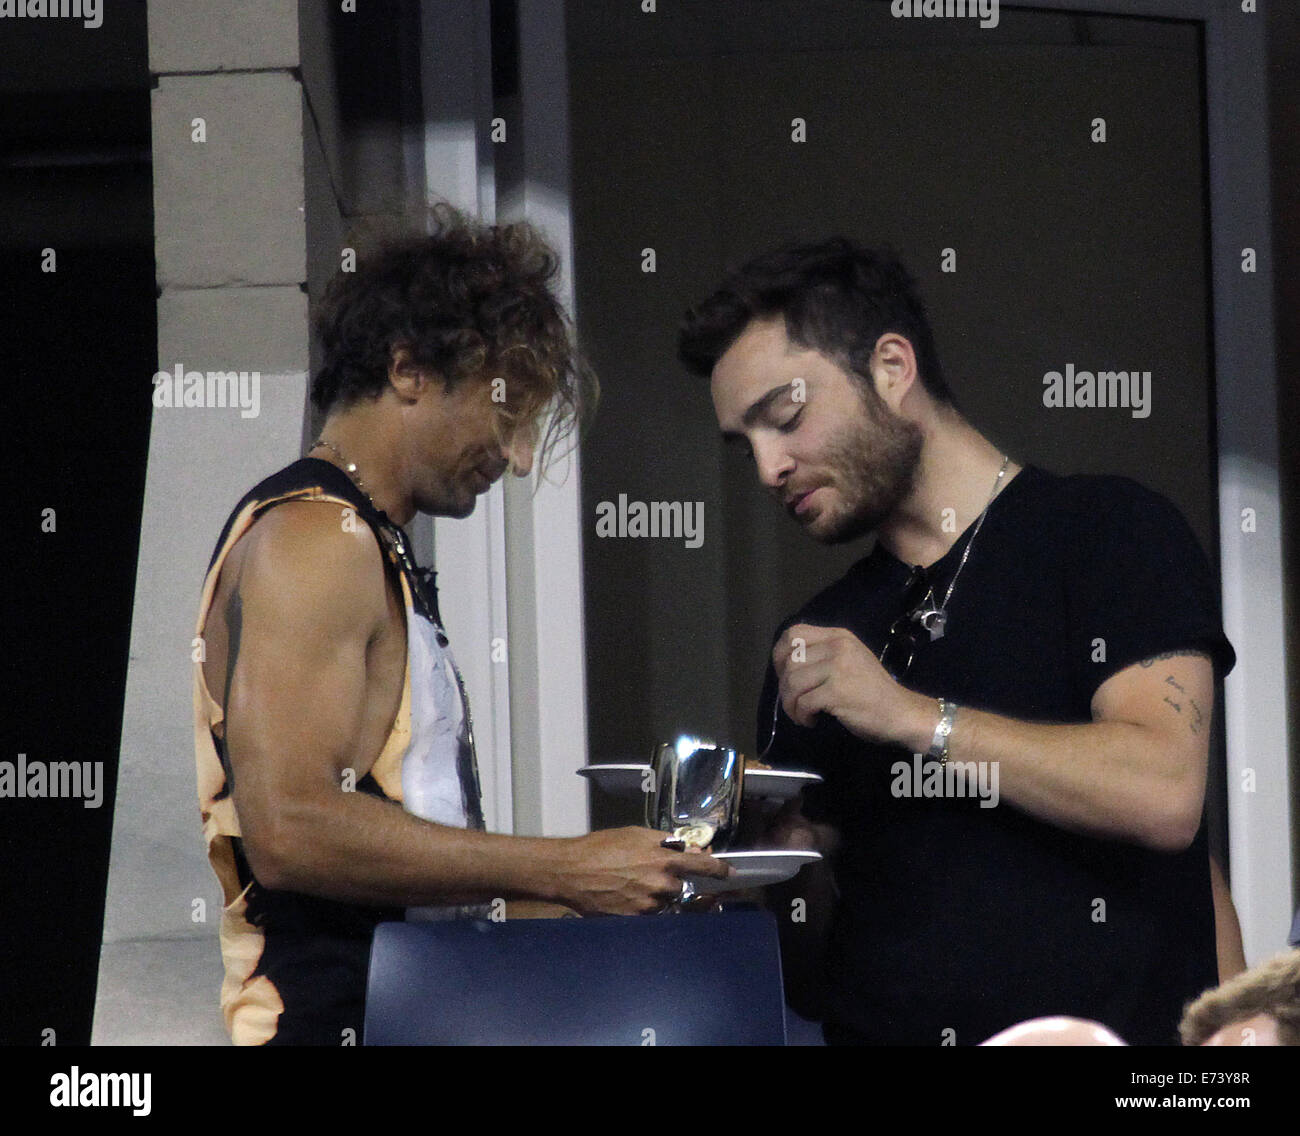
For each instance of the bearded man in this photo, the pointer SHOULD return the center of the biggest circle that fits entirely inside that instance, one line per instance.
(1009, 698)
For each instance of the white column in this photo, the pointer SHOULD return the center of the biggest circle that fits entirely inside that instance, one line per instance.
(543, 517)
(470, 553)
(230, 247)
(1260, 795)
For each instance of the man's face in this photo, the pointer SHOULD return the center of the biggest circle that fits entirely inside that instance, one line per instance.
(835, 456)
(457, 446)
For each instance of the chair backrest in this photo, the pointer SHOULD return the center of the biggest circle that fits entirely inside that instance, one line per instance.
(693, 979)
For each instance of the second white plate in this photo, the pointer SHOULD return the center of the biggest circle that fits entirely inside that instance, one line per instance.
(755, 869)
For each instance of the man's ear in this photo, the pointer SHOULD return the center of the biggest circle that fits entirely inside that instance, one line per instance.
(894, 371)
(405, 376)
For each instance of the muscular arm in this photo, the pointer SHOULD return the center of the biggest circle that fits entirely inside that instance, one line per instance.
(1136, 772)
(308, 600)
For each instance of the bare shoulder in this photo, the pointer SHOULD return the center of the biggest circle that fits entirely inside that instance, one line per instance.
(314, 561)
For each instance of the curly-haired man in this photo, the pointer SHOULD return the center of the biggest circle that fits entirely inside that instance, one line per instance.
(337, 778)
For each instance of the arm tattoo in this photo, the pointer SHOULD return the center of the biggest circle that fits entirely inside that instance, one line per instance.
(1196, 718)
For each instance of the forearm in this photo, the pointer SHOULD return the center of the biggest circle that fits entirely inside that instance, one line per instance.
(1110, 778)
(360, 849)
(1227, 929)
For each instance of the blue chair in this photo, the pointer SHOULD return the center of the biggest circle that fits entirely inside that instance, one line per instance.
(702, 979)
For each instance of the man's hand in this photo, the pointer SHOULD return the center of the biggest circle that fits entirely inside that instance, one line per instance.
(829, 670)
(1136, 772)
(626, 871)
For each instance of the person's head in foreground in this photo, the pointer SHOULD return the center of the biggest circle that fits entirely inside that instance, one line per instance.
(822, 359)
(1260, 1006)
(442, 353)
(1055, 1031)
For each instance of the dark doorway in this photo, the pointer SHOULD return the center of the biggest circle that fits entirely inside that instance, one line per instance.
(77, 293)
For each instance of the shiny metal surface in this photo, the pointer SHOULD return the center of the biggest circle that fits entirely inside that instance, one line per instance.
(695, 794)
(695, 784)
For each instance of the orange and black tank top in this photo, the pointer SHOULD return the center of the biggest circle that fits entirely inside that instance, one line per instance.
(295, 964)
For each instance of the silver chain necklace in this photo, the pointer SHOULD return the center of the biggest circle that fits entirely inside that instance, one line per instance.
(390, 530)
(398, 543)
(935, 619)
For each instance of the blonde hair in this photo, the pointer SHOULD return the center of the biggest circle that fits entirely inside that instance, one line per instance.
(1272, 988)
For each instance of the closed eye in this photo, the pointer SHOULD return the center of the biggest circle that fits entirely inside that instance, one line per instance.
(790, 423)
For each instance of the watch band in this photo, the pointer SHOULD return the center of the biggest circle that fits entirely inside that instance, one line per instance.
(939, 745)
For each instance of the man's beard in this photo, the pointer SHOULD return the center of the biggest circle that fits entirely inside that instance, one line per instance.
(874, 463)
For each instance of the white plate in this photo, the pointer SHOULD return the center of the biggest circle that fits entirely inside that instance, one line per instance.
(774, 784)
(616, 778)
(755, 869)
(778, 784)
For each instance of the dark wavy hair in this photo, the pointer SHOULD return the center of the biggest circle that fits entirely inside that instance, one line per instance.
(837, 298)
(469, 301)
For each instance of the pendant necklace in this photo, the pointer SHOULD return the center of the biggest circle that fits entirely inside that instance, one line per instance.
(935, 619)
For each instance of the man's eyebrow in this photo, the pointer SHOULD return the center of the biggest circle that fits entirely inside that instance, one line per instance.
(764, 404)
(759, 408)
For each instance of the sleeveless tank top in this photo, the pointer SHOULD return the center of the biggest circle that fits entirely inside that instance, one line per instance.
(295, 965)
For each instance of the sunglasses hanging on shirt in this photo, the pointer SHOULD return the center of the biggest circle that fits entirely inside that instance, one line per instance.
(921, 614)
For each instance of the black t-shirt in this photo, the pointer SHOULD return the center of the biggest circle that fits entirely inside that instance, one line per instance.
(969, 919)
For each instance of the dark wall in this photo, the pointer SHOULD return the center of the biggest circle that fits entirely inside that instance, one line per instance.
(79, 347)
(926, 134)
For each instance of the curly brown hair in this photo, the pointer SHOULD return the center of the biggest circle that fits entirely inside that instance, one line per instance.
(1271, 988)
(469, 302)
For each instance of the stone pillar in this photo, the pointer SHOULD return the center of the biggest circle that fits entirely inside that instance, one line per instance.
(235, 169)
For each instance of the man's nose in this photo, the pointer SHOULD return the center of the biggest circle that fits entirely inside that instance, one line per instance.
(773, 463)
(520, 453)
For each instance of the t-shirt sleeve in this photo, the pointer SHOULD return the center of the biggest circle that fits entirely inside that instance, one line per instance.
(1139, 584)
